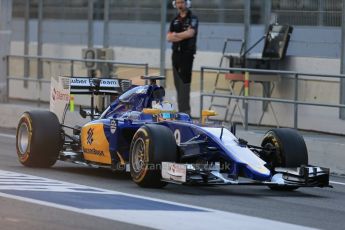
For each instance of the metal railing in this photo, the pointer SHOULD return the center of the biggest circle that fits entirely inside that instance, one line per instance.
(72, 62)
(295, 102)
(312, 12)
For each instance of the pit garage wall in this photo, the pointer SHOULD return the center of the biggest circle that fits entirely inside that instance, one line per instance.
(312, 49)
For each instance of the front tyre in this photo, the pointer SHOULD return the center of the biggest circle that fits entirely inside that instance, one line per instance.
(38, 139)
(291, 151)
(151, 145)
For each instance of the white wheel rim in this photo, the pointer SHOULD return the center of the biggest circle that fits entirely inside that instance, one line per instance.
(138, 157)
(23, 138)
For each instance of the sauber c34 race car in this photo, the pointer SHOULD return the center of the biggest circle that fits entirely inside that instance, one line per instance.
(140, 133)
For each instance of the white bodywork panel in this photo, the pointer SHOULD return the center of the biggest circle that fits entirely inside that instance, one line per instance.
(240, 154)
(174, 171)
(60, 89)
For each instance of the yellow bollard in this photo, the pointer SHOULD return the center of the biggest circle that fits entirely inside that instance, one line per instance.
(71, 103)
(246, 84)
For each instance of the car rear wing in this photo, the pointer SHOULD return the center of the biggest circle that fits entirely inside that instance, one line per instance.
(62, 88)
(82, 85)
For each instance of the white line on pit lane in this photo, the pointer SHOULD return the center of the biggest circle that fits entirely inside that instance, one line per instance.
(335, 182)
(155, 219)
(7, 135)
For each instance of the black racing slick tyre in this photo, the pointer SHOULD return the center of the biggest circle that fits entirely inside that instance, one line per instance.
(151, 145)
(38, 139)
(291, 151)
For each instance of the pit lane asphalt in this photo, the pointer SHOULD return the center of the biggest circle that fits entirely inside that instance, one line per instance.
(311, 207)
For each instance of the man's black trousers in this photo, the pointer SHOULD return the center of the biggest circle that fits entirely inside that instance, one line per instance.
(182, 63)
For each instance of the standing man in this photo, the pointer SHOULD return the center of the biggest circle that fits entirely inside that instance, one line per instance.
(183, 35)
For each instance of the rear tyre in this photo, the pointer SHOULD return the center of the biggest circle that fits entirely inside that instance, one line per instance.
(291, 151)
(151, 145)
(38, 139)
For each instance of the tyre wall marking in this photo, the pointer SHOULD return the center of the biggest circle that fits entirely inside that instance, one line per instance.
(177, 135)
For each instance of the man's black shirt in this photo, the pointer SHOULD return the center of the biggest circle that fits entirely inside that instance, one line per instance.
(180, 24)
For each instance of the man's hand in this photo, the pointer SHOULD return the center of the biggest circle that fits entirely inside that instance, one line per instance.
(177, 37)
(189, 33)
(172, 37)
